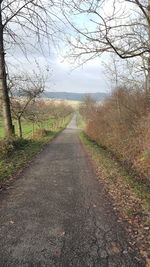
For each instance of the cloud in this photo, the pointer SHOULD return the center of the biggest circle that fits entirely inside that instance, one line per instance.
(64, 76)
(88, 78)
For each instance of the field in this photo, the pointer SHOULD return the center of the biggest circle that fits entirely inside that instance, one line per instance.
(28, 128)
(73, 103)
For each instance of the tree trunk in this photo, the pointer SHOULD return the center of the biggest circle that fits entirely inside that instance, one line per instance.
(148, 63)
(148, 85)
(4, 97)
(19, 127)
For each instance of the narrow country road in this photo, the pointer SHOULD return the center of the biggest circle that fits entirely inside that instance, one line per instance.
(57, 214)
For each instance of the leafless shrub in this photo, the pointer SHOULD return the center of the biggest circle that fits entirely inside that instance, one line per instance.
(122, 124)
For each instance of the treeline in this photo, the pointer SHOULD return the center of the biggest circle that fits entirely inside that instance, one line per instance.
(122, 125)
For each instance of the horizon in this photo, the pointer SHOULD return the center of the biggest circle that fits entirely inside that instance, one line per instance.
(76, 92)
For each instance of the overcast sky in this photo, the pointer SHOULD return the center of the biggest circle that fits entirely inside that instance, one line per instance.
(62, 75)
(87, 78)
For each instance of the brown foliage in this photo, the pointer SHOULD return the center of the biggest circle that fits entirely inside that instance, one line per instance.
(122, 124)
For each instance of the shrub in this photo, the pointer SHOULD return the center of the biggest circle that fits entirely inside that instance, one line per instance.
(40, 133)
(122, 124)
(7, 146)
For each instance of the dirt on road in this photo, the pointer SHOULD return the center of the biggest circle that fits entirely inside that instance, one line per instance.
(58, 214)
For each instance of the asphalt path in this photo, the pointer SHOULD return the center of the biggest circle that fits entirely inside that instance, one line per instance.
(58, 214)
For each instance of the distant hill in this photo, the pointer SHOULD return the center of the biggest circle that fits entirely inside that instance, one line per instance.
(74, 96)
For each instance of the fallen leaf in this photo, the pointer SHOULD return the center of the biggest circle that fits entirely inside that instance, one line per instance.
(12, 222)
(114, 249)
(148, 263)
(144, 253)
(62, 233)
(57, 251)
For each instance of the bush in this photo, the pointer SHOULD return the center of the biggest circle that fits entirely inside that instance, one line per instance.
(9, 145)
(122, 124)
(40, 133)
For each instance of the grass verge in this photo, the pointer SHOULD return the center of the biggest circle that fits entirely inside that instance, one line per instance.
(131, 197)
(25, 149)
(80, 122)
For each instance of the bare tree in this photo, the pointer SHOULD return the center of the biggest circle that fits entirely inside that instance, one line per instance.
(88, 107)
(24, 90)
(116, 26)
(21, 20)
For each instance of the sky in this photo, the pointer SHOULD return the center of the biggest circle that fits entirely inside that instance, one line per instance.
(63, 76)
(87, 78)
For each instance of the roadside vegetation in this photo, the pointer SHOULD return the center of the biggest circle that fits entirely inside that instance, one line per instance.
(122, 125)
(130, 197)
(80, 121)
(16, 151)
(116, 134)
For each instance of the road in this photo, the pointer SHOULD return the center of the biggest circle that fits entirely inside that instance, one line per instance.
(58, 214)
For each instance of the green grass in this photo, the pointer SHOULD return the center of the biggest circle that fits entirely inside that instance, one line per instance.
(27, 127)
(26, 149)
(114, 171)
(80, 121)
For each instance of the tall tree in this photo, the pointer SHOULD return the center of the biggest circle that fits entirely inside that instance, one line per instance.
(21, 20)
(116, 26)
(4, 98)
